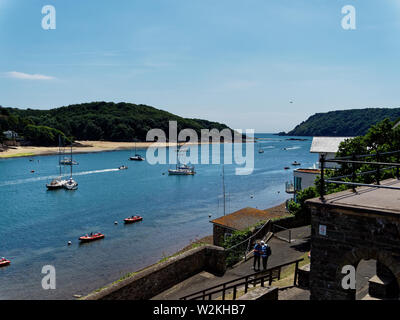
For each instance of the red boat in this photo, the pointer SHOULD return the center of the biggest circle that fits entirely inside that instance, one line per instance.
(133, 219)
(92, 237)
(4, 262)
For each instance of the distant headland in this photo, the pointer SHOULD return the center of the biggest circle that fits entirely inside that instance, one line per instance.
(343, 123)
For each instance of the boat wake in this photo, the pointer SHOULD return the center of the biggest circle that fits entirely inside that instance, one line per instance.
(44, 178)
(293, 148)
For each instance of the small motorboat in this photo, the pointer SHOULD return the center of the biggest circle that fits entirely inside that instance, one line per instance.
(287, 168)
(68, 162)
(133, 219)
(295, 163)
(4, 262)
(91, 237)
(122, 167)
(137, 157)
(32, 171)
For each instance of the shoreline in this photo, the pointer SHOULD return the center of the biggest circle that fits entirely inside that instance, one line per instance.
(86, 147)
(276, 211)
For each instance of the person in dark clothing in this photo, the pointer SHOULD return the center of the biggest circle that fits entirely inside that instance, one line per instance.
(257, 253)
(265, 253)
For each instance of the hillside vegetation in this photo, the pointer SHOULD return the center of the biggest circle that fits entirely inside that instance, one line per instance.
(355, 122)
(94, 121)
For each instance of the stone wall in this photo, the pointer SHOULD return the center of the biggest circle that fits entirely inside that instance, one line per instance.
(351, 235)
(162, 276)
(219, 234)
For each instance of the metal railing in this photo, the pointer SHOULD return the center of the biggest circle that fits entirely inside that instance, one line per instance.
(262, 277)
(276, 229)
(245, 246)
(355, 161)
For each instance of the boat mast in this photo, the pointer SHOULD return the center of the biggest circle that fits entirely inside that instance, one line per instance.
(71, 161)
(223, 187)
(177, 156)
(59, 153)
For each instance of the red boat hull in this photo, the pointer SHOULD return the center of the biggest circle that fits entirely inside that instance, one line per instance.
(133, 220)
(4, 263)
(91, 238)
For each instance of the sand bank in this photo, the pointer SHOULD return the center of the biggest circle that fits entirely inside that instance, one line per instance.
(82, 147)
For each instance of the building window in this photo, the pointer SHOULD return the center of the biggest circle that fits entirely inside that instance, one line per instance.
(227, 235)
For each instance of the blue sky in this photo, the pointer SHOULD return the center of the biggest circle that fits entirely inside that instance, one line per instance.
(237, 62)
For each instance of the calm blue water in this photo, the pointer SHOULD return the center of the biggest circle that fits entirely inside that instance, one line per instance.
(35, 224)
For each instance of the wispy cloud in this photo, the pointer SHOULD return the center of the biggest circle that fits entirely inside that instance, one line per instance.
(27, 76)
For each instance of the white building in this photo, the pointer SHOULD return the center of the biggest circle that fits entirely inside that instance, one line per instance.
(327, 146)
(304, 178)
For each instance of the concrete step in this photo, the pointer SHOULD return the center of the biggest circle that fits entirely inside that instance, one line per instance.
(368, 297)
(382, 287)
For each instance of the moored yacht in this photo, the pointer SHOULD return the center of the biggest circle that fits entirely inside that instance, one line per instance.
(68, 162)
(71, 184)
(181, 169)
(136, 157)
(57, 183)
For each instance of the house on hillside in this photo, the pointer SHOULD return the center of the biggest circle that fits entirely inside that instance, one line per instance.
(10, 135)
(242, 219)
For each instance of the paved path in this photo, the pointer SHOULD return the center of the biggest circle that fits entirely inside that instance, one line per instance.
(282, 252)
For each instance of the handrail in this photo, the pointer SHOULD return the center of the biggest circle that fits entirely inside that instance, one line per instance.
(252, 236)
(205, 292)
(368, 155)
(354, 174)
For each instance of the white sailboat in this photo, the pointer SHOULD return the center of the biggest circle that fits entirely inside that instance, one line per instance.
(57, 183)
(181, 169)
(136, 157)
(71, 184)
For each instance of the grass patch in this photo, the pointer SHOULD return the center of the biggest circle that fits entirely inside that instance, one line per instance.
(16, 155)
(190, 247)
(193, 245)
(287, 274)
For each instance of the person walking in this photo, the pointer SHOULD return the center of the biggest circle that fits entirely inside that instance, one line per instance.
(265, 253)
(257, 253)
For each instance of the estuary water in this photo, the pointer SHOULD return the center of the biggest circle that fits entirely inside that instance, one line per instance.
(36, 224)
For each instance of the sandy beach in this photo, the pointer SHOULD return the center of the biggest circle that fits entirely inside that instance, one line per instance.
(82, 147)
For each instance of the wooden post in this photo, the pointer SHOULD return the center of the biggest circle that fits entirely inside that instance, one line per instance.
(223, 291)
(270, 276)
(204, 295)
(353, 175)
(246, 285)
(234, 293)
(378, 169)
